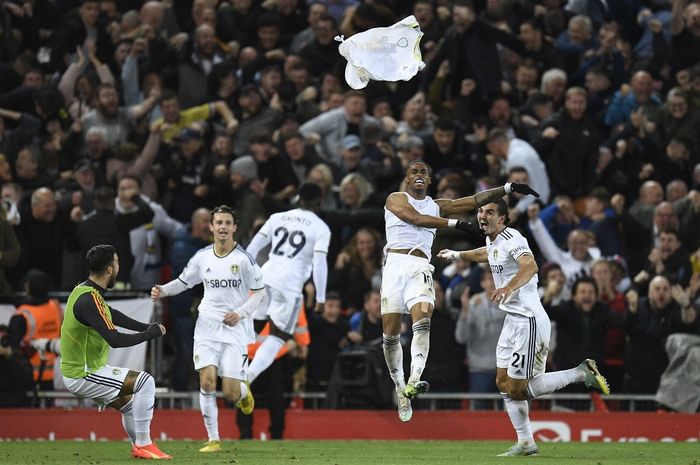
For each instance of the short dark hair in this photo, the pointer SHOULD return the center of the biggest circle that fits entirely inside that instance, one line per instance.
(584, 280)
(223, 209)
(100, 257)
(270, 19)
(446, 125)
(167, 95)
(309, 193)
(136, 179)
(502, 210)
(413, 162)
(38, 284)
(332, 295)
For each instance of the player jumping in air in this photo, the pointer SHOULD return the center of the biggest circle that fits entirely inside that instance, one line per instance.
(411, 218)
(299, 240)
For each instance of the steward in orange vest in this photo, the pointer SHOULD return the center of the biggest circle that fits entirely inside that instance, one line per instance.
(38, 318)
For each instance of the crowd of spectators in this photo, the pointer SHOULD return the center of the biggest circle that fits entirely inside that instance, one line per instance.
(122, 122)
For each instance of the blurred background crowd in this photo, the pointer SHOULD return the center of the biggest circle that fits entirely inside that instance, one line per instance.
(124, 122)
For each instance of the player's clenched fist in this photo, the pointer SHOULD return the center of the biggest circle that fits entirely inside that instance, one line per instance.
(450, 255)
(155, 292)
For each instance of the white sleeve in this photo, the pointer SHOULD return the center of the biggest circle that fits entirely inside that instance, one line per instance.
(545, 242)
(252, 303)
(190, 276)
(320, 275)
(517, 246)
(174, 287)
(323, 240)
(260, 240)
(252, 274)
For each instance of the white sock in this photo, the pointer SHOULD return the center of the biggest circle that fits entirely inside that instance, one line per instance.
(393, 354)
(518, 411)
(264, 356)
(143, 405)
(420, 346)
(244, 390)
(128, 420)
(210, 413)
(546, 383)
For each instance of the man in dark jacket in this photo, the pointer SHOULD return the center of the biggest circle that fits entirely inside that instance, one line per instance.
(568, 144)
(652, 319)
(582, 323)
(104, 225)
(470, 48)
(42, 233)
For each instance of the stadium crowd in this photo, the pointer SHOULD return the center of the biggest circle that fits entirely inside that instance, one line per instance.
(124, 122)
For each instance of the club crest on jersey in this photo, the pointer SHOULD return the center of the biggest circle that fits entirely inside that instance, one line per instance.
(495, 254)
(116, 371)
(235, 269)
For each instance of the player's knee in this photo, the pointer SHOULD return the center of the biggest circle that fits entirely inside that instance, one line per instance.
(516, 391)
(207, 385)
(232, 395)
(145, 384)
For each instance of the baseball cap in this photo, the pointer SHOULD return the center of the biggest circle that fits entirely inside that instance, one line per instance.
(245, 166)
(351, 142)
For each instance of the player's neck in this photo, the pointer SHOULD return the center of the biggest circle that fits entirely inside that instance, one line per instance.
(416, 195)
(224, 248)
(495, 234)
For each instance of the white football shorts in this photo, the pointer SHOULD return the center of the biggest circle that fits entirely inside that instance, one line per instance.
(523, 345)
(102, 386)
(282, 308)
(406, 281)
(230, 360)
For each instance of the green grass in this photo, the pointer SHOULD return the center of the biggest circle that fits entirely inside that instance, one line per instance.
(354, 452)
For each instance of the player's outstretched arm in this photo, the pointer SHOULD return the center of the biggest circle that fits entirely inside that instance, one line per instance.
(174, 287)
(479, 255)
(90, 313)
(397, 203)
(472, 202)
(527, 268)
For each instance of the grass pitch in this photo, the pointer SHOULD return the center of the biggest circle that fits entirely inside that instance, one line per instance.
(353, 452)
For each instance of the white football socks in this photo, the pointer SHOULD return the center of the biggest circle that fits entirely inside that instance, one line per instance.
(210, 413)
(420, 346)
(143, 404)
(393, 354)
(128, 420)
(519, 411)
(264, 356)
(546, 383)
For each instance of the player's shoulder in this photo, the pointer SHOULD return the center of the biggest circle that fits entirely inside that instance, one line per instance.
(202, 253)
(239, 250)
(510, 234)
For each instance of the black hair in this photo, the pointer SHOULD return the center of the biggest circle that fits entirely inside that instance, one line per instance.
(136, 179)
(223, 209)
(309, 193)
(502, 210)
(413, 162)
(100, 257)
(583, 280)
(332, 295)
(38, 284)
(446, 125)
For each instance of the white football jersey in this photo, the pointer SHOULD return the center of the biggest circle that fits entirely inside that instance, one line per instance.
(503, 255)
(401, 235)
(227, 281)
(295, 236)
